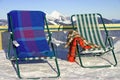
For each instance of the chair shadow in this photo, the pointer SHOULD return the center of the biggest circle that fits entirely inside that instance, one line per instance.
(32, 62)
(92, 55)
(60, 50)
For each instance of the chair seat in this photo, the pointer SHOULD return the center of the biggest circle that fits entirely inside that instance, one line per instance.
(36, 54)
(100, 50)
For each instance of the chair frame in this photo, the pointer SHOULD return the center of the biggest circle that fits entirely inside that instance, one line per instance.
(16, 60)
(108, 39)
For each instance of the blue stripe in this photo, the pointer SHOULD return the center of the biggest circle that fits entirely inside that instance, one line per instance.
(29, 28)
(19, 19)
(37, 18)
(31, 39)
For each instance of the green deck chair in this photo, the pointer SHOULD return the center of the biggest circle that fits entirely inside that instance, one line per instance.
(29, 40)
(87, 25)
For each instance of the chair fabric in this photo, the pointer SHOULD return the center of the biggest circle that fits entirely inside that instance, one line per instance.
(87, 26)
(28, 30)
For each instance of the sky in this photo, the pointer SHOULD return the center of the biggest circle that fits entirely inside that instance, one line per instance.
(110, 9)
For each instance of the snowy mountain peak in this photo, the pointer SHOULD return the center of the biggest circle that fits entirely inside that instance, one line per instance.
(56, 12)
(57, 18)
(56, 15)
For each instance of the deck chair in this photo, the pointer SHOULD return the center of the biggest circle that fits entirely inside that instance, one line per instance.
(28, 38)
(87, 26)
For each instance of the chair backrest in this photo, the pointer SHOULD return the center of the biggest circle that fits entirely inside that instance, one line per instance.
(87, 26)
(28, 31)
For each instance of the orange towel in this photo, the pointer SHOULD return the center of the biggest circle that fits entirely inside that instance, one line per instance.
(72, 49)
(73, 39)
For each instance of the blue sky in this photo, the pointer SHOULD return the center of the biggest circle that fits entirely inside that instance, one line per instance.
(108, 8)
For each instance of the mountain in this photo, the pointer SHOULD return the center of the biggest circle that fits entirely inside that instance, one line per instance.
(115, 21)
(106, 21)
(57, 18)
(3, 22)
(57, 15)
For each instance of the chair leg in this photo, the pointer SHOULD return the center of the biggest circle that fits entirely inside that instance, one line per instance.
(18, 70)
(99, 66)
(58, 70)
(55, 51)
(114, 58)
(16, 67)
(17, 64)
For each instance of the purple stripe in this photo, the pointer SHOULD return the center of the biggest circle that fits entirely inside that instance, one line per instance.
(32, 46)
(26, 21)
(29, 34)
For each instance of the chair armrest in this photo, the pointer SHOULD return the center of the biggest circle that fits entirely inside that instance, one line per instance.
(15, 43)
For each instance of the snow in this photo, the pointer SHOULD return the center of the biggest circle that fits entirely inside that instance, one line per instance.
(56, 14)
(53, 22)
(69, 71)
(57, 18)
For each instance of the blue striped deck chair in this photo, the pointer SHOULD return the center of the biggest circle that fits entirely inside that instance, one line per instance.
(29, 39)
(87, 26)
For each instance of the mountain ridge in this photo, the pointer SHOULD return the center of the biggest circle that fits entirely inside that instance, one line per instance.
(57, 18)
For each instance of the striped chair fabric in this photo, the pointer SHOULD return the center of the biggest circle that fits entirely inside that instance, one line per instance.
(87, 26)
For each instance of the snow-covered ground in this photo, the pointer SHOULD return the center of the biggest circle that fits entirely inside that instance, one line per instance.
(69, 71)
